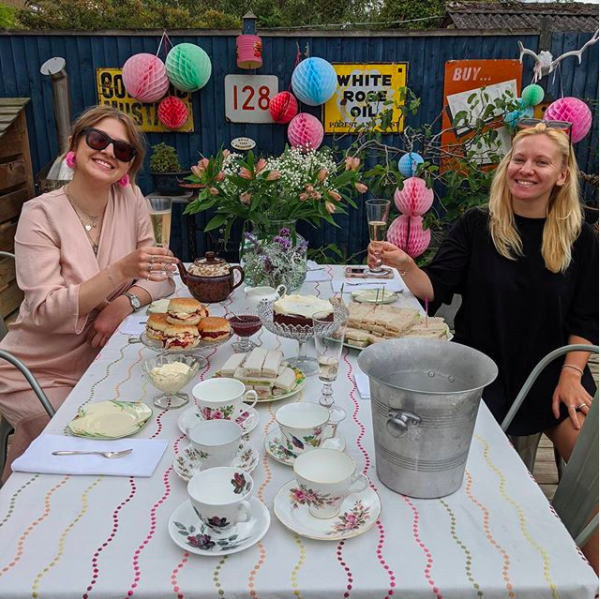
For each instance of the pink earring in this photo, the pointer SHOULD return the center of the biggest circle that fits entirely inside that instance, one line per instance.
(124, 181)
(70, 159)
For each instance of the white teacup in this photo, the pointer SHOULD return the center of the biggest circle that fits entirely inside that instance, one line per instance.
(216, 441)
(325, 478)
(255, 295)
(305, 426)
(222, 398)
(220, 497)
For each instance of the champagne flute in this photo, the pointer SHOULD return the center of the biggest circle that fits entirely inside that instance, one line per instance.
(159, 209)
(329, 338)
(377, 221)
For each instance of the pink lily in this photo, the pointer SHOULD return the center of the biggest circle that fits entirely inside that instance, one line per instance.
(220, 177)
(261, 165)
(273, 176)
(245, 197)
(360, 187)
(331, 208)
(245, 173)
(322, 174)
(334, 195)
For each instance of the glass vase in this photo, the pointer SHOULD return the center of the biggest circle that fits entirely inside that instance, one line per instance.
(274, 255)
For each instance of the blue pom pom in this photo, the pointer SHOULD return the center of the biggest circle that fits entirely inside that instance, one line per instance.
(314, 81)
(408, 164)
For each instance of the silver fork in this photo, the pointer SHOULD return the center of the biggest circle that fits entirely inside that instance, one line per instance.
(104, 454)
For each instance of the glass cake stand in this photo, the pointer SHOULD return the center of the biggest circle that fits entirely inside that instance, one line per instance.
(301, 333)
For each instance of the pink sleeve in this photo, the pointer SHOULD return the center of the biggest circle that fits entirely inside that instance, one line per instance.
(50, 302)
(146, 239)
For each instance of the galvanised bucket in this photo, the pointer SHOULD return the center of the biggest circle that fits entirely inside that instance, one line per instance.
(424, 398)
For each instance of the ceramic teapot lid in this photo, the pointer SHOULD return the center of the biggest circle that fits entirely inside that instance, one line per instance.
(209, 266)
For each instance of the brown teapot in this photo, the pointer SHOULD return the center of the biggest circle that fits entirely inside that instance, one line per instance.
(210, 279)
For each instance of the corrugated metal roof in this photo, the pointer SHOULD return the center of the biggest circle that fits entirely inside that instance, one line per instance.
(10, 109)
(573, 16)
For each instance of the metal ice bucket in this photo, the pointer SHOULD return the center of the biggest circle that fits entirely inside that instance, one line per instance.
(424, 399)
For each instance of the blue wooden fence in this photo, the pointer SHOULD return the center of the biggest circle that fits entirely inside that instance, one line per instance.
(22, 54)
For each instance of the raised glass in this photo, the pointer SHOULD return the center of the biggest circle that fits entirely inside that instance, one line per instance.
(377, 212)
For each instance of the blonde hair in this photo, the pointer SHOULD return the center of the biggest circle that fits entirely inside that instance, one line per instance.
(564, 212)
(94, 115)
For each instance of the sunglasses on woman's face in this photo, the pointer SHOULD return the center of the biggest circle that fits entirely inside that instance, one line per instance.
(561, 125)
(99, 140)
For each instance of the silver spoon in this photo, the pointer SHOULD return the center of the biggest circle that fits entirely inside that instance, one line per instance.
(105, 454)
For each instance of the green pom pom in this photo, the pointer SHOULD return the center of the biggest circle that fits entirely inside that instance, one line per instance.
(188, 67)
(532, 95)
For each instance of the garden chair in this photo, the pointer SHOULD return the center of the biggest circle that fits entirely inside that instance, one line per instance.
(3, 329)
(577, 494)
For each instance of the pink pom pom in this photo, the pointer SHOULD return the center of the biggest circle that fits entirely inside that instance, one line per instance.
(70, 160)
(415, 198)
(406, 233)
(571, 110)
(305, 131)
(283, 107)
(145, 77)
(124, 181)
(173, 112)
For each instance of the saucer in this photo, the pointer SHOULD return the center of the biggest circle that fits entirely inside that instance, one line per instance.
(189, 533)
(358, 513)
(273, 446)
(188, 462)
(247, 420)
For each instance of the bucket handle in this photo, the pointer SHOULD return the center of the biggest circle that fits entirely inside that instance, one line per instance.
(398, 422)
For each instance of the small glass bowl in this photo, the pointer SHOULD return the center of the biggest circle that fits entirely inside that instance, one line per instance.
(170, 383)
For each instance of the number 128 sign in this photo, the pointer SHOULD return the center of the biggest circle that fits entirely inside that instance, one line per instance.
(247, 98)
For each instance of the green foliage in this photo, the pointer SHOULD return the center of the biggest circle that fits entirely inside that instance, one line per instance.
(410, 10)
(164, 159)
(8, 19)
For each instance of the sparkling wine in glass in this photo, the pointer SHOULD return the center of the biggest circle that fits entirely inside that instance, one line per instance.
(377, 220)
(245, 325)
(159, 209)
(329, 338)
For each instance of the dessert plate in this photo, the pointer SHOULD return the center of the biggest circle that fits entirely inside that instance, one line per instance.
(188, 462)
(299, 384)
(375, 296)
(358, 513)
(247, 420)
(188, 532)
(110, 419)
(157, 346)
(273, 446)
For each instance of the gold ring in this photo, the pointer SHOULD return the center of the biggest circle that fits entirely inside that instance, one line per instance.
(150, 267)
(152, 259)
(581, 406)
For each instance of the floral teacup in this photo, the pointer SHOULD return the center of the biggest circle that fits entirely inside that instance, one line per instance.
(220, 497)
(215, 441)
(325, 478)
(222, 398)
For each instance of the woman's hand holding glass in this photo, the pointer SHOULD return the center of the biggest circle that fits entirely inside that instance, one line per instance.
(149, 264)
(389, 254)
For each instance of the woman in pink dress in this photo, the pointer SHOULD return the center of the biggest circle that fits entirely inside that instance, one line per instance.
(84, 260)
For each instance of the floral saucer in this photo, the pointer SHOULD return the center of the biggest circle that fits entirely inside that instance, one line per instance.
(188, 462)
(273, 446)
(359, 512)
(247, 420)
(187, 531)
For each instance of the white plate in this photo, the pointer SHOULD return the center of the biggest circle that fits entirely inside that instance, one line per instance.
(358, 513)
(110, 419)
(191, 416)
(158, 306)
(188, 532)
(188, 461)
(375, 296)
(301, 380)
(273, 446)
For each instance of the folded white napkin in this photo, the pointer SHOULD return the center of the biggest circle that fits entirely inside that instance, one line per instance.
(142, 461)
(362, 381)
(134, 324)
(316, 272)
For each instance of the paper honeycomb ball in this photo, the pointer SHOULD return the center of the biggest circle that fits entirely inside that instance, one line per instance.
(406, 233)
(314, 81)
(415, 198)
(532, 95)
(145, 77)
(512, 118)
(305, 131)
(188, 67)
(408, 164)
(283, 107)
(173, 112)
(571, 110)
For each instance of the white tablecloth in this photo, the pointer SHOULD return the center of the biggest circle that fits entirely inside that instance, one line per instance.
(105, 537)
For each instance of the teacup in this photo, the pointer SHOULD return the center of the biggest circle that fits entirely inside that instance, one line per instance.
(325, 478)
(255, 295)
(222, 398)
(305, 426)
(216, 441)
(220, 497)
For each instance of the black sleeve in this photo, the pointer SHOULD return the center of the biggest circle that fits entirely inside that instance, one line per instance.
(583, 314)
(448, 270)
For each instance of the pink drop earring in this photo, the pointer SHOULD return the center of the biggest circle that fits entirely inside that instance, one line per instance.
(70, 159)
(124, 181)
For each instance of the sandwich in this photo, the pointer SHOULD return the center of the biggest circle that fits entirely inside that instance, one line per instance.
(271, 365)
(156, 325)
(232, 364)
(357, 337)
(214, 328)
(185, 310)
(254, 362)
(285, 382)
(180, 336)
(433, 327)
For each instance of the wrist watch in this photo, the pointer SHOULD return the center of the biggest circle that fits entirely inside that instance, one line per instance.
(134, 301)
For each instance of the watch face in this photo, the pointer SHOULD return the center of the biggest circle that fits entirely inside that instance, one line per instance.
(134, 300)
